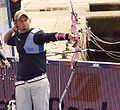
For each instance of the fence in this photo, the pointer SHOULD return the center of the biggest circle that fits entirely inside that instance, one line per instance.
(95, 85)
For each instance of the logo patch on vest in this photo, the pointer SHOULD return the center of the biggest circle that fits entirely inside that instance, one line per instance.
(30, 49)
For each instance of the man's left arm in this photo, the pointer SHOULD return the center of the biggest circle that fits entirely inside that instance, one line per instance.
(41, 37)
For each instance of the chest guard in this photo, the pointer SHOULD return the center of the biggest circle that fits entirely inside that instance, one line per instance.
(30, 47)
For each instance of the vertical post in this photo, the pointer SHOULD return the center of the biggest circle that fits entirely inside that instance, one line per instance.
(9, 21)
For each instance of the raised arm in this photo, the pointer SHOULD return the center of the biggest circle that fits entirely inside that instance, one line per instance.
(9, 34)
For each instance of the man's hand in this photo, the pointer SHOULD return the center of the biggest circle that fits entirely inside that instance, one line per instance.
(71, 36)
(14, 29)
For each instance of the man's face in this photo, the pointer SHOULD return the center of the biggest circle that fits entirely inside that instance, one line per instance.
(23, 23)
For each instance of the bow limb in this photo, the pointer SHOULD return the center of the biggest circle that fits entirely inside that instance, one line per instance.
(73, 62)
(76, 34)
(67, 86)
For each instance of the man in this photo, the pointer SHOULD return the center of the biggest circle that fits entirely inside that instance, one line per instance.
(32, 85)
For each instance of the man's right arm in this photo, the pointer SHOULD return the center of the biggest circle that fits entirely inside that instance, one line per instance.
(8, 35)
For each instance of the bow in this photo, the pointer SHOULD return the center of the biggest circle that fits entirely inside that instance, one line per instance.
(76, 45)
